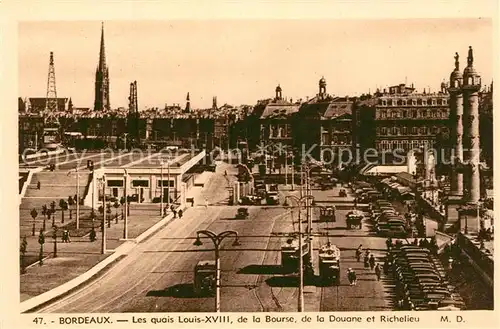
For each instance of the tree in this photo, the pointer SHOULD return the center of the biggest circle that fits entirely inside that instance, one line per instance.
(44, 213)
(41, 241)
(22, 249)
(33, 213)
(116, 205)
(122, 202)
(54, 236)
(129, 200)
(108, 213)
(92, 235)
(71, 202)
(64, 206)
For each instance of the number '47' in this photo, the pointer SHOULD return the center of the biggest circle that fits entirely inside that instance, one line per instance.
(38, 320)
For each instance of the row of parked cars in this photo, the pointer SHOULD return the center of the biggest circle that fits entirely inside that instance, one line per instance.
(387, 221)
(421, 282)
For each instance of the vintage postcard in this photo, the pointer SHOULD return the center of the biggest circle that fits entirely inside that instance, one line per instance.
(256, 171)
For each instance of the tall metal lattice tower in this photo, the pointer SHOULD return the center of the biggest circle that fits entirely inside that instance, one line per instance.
(51, 98)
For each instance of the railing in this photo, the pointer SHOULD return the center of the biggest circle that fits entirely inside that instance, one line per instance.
(483, 261)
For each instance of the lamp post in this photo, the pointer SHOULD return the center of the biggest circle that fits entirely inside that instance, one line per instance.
(125, 216)
(103, 223)
(77, 196)
(161, 188)
(300, 301)
(217, 241)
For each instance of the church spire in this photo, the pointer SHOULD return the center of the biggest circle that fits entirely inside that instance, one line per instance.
(102, 53)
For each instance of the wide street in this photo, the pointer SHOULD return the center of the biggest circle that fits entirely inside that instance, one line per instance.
(157, 275)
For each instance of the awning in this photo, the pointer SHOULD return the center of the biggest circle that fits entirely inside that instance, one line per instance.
(403, 189)
(386, 181)
(394, 185)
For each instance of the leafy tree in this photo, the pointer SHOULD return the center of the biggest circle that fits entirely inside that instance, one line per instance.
(44, 213)
(22, 249)
(64, 206)
(108, 213)
(71, 202)
(33, 213)
(54, 236)
(41, 241)
(116, 205)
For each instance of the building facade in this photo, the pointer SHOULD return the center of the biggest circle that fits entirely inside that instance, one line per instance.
(408, 120)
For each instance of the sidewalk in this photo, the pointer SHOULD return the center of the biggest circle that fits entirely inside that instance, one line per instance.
(78, 256)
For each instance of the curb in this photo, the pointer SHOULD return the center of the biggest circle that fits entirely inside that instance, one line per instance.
(72, 285)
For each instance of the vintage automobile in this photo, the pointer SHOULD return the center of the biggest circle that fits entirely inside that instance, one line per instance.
(327, 214)
(204, 277)
(329, 264)
(242, 213)
(354, 219)
(272, 198)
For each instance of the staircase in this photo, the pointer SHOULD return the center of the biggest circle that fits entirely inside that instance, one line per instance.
(57, 184)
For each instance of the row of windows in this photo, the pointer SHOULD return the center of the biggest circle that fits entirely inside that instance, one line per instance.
(414, 114)
(139, 183)
(402, 144)
(411, 130)
(413, 102)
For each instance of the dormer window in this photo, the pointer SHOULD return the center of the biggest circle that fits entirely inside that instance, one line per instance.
(433, 102)
(424, 102)
(384, 102)
(445, 101)
(414, 102)
(404, 102)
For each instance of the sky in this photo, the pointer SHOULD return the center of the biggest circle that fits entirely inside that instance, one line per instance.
(242, 61)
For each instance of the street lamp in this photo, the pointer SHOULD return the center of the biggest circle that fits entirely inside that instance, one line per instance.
(102, 181)
(125, 216)
(216, 240)
(300, 301)
(161, 187)
(77, 196)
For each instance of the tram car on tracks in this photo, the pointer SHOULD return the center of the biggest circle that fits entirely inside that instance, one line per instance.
(290, 254)
(327, 214)
(204, 277)
(354, 219)
(329, 264)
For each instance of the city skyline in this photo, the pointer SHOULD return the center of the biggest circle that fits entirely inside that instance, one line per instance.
(246, 64)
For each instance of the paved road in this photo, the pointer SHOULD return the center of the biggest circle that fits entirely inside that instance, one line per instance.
(157, 275)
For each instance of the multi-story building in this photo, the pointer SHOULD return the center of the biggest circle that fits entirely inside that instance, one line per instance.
(324, 126)
(405, 119)
(275, 121)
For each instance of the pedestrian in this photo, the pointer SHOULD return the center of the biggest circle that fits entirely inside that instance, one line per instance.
(386, 267)
(68, 238)
(372, 261)
(180, 213)
(92, 235)
(38, 185)
(192, 202)
(366, 259)
(377, 271)
(358, 253)
(225, 172)
(351, 276)
(388, 243)
(175, 213)
(206, 203)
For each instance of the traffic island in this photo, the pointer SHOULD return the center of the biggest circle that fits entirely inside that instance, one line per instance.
(81, 259)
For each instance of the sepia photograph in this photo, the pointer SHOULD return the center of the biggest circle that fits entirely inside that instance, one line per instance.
(198, 166)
